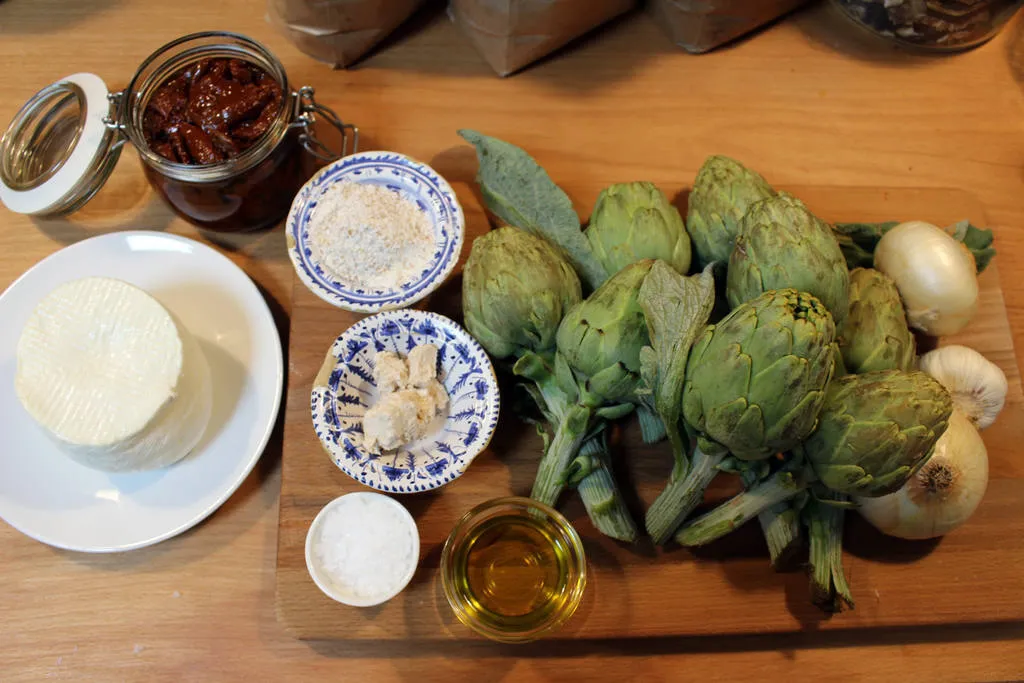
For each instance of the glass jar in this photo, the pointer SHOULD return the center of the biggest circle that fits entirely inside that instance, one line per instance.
(65, 141)
(513, 569)
(943, 25)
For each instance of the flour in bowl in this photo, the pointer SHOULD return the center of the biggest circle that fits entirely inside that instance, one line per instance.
(370, 237)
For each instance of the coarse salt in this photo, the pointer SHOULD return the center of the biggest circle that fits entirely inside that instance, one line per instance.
(366, 548)
(370, 237)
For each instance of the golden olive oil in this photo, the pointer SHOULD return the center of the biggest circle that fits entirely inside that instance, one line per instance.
(513, 570)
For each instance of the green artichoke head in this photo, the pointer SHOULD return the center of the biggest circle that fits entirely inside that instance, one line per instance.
(876, 335)
(756, 381)
(600, 338)
(635, 221)
(781, 244)
(516, 288)
(876, 430)
(722, 193)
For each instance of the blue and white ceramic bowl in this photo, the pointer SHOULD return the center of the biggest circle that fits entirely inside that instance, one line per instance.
(416, 182)
(344, 390)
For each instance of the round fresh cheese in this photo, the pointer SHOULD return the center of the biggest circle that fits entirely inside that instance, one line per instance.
(113, 377)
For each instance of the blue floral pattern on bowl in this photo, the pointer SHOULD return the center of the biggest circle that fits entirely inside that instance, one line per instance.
(345, 389)
(416, 182)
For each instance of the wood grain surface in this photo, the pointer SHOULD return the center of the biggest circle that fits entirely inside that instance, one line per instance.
(639, 591)
(806, 102)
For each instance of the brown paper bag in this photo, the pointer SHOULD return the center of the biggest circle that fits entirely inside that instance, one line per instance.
(338, 31)
(512, 33)
(701, 25)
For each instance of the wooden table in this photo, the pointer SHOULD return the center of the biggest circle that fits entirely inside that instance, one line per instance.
(806, 102)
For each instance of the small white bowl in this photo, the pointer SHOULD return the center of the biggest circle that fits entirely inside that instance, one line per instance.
(371, 503)
(413, 180)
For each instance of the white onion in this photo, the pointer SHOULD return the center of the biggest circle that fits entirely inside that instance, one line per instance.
(934, 273)
(943, 494)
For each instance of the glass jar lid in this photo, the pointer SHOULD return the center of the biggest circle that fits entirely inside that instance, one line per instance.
(59, 149)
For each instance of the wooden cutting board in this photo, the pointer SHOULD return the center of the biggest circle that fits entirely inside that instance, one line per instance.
(972, 576)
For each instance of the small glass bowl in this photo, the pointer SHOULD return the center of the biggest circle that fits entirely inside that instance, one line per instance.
(550, 616)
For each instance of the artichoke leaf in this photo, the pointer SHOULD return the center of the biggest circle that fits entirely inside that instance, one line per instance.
(583, 465)
(566, 378)
(614, 380)
(521, 193)
(614, 412)
(531, 366)
(676, 308)
(857, 241)
(539, 401)
(648, 371)
(977, 240)
(546, 390)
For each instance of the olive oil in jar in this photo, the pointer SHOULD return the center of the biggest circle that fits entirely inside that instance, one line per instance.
(514, 567)
(518, 572)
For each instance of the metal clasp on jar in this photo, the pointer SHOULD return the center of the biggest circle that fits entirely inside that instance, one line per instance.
(307, 109)
(113, 118)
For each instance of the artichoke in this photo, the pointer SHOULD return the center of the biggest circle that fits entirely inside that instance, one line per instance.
(597, 365)
(515, 290)
(635, 221)
(722, 193)
(601, 337)
(876, 336)
(781, 244)
(876, 430)
(756, 381)
(754, 385)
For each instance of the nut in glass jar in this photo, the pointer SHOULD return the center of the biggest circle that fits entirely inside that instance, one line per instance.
(228, 159)
(934, 25)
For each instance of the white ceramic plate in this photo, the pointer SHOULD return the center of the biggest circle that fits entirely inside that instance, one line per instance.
(48, 496)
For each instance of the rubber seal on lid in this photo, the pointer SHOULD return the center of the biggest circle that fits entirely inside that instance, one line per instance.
(59, 149)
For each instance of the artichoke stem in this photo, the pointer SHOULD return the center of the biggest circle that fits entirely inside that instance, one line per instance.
(829, 589)
(741, 508)
(601, 497)
(554, 465)
(780, 525)
(652, 429)
(682, 463)
(681, 496)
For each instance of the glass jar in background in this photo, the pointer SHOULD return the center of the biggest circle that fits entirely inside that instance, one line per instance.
(943, 25)
(65, 141)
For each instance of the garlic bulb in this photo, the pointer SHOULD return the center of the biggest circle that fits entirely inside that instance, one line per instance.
(943, 494)
(935, 274)
(977, 385)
